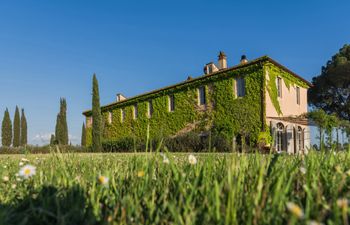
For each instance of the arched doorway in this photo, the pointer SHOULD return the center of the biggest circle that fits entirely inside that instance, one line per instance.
(280, 137)
(300, 139)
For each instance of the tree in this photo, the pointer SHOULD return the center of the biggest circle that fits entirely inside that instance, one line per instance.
(24, 127)
(61, 130)
(6, 129)
(52, 139)
(319, 117)
(83, 136)
(96, 117)
(331, 89)
(16, 129)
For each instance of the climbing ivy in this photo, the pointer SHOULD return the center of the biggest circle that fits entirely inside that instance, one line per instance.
(224, 114)
(289, 80)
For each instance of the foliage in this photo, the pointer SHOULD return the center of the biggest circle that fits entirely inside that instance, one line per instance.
(61, 131)
(331, 89)
(6, 129)
(16, 129)
(224, 114)
(24, 129)
(83, 135)
(96, 117)
(289, 80)
(220, 111)
(53, 140)
(142, 189)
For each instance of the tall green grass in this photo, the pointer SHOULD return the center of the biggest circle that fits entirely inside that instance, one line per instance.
(142, 189)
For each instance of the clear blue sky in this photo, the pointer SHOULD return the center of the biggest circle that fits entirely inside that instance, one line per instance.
(50, 49)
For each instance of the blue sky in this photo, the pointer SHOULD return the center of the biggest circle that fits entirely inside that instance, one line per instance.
(50, 49)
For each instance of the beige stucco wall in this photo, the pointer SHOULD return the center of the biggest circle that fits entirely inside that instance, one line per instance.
(288, 101)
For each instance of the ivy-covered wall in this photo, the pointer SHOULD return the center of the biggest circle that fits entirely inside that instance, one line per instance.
(225, 113)
(288, 79)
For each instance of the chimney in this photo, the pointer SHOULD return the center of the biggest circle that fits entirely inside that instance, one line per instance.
(210, 68)
(222, 60)
(120, 97)
(244, 59)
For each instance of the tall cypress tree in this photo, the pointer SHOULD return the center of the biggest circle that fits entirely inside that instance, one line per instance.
(83, 136)
(52, 139)
(61, 130)
(6, 129)
(24, 127)
(96, 117)
(58, 129)
(16, 129)
(64, 121)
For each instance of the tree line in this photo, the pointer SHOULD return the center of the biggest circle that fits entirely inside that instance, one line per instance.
(14, 134)
(329, 97)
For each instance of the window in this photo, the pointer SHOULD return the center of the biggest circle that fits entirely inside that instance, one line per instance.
(89, 121)
(280, 137)
(201, 96)
(240, 87)
(122, 115)
(279, 87)
(171, 100)
(298, 95)
(150, 108)
(136, 111)
(110, 117)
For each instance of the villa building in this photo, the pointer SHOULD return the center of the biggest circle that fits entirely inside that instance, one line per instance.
(254, 99)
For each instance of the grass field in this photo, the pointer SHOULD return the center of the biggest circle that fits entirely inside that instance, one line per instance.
(171, 189)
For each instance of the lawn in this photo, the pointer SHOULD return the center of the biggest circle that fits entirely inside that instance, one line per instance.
(173, 188)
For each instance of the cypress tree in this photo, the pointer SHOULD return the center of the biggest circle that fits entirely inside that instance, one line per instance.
(83, 136)
(61, 130)
(24, 127)
(96, 116)
(6, 129)
(64, 124)
(16, 129)
(52, 139)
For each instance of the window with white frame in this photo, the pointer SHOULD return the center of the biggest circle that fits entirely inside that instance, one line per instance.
(202, 98)
(150, 109)
(136, 112)
(279, 87)
(240, 87)
(110, 117)
(122, 115)
(171, 100)
(298, 95)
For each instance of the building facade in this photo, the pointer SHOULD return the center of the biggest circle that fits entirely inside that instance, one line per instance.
(258, 100)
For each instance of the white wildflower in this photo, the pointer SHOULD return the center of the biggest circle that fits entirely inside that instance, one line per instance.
(27, 171)
(21, 163)
(166, 160)
(5, 178)
(302, 170)
(13, 186)
(24, 160)
(342, 203)
(192, 159)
